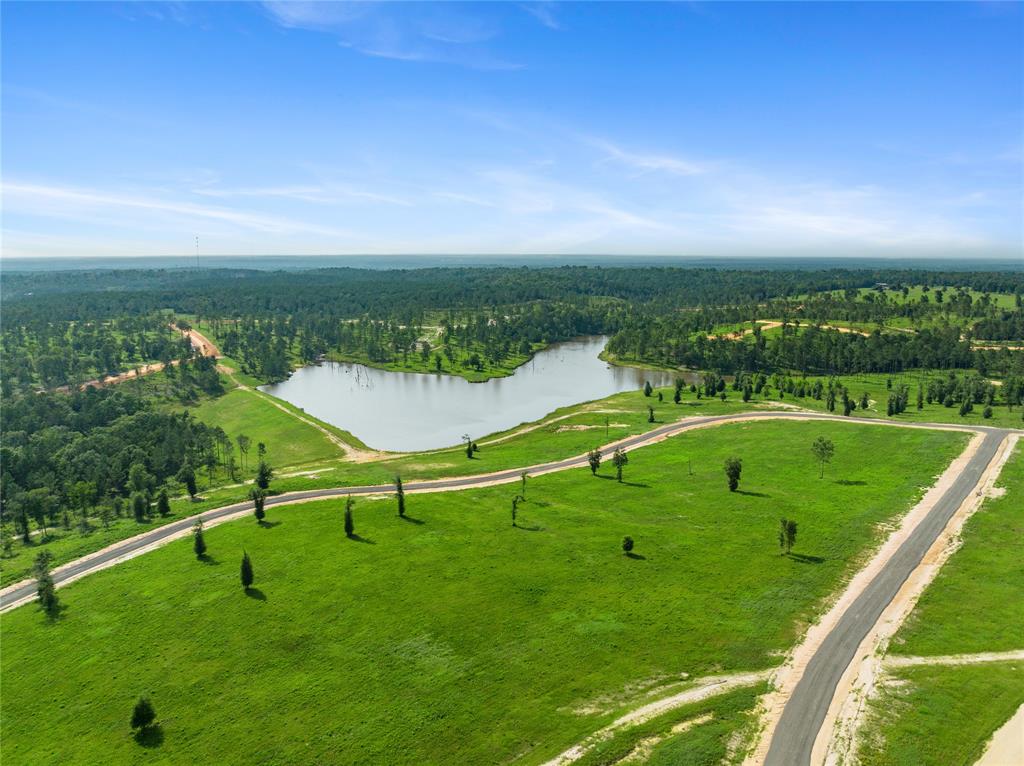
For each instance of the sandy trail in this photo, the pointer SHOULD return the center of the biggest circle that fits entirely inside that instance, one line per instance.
(764, 324)
(891, 661)
(706, 688)
(199, 342)
(1006, 748)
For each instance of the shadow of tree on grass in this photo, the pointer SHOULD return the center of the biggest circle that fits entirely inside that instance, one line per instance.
(802, 558)
(150, 736)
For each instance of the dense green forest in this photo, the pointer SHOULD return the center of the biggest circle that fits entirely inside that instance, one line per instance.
(62, 328)
(70, 454)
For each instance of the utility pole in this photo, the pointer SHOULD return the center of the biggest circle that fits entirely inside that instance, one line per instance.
(197, 251)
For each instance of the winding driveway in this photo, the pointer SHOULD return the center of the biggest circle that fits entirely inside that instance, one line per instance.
(793, 738)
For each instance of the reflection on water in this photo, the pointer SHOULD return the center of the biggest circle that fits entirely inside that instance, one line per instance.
(406, 411)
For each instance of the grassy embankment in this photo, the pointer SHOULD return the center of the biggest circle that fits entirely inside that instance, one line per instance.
(456, 638)
(944, 714)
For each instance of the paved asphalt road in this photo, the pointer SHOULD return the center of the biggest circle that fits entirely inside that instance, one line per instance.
(805, 711)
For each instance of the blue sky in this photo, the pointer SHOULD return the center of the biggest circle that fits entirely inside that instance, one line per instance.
(304, 128)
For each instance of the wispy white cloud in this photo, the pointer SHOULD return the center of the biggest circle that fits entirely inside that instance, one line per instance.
(646, 163)
(323, 194)
(425, 32)
(544, 12)
(69, 202)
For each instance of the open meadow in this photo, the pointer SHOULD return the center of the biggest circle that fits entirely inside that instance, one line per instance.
(452, 636)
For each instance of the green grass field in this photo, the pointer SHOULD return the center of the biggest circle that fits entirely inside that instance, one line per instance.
(875, 386)
(714, 723)
(558, 435)
(456, 638)
(940, 716)
(945, 714)
(289, 441)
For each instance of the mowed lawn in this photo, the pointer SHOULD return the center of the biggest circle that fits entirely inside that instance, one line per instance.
(940, 715)
(289, 441)
(453, 637)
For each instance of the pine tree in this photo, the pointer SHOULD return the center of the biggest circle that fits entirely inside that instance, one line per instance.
(733, 469)
(619, 460)
(46, 591)
(787, 534)
(647, 388)
(259, 500)
(198, 542)
(594, 458)
(246, 573)
(143, 715)
(264, 473)
(163, 503)
(350, 525)
(187, 476)
(400, 495)
(140, 506)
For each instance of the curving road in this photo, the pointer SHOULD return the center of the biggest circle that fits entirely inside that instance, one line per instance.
(804, 712)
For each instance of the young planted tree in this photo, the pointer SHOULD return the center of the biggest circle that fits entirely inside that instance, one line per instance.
(400, 495)
(733, 469)
(515, 507)
(787, 535)
(594, 458)
(650, 414)
(647, 388)
(247, 574)
(264, 473)
(627, 544)
(259, 500)
(46, 591)
(469, 446)
(198, 542)
(163, 503)
(350, 524)
(619, 460)
(143, 715)
(522, 484)
(823, 449)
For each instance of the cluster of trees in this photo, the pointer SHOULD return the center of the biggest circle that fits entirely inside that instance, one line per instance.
(99, 453)
(669, 340)
(49, 351)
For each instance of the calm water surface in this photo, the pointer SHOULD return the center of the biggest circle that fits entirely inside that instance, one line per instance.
(405, 411)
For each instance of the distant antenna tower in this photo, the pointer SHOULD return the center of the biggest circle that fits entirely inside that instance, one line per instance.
(197, 251)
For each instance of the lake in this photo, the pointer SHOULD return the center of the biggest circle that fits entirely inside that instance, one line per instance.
(406, 411)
